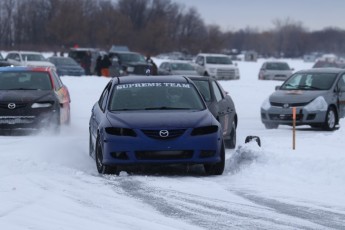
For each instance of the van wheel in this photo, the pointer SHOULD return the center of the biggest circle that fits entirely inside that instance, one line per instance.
(231, 142)
(331, 119)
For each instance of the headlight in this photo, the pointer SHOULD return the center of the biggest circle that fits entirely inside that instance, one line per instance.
(318, 103)
(120, 131)
(212, 70)
(130, 69)
(41, 105)
(204, 130)
(266, 104)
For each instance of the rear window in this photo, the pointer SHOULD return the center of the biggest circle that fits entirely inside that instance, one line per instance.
(25, 81)
(277, 66)
(155, 96)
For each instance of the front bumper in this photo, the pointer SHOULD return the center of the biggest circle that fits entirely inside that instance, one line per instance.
(185, 149)
(283, 116)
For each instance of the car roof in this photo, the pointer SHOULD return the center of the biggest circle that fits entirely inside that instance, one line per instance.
(150, 79)
(25, 52)
(24, 69)
(202, 78)
(322, 70)
(213, 54)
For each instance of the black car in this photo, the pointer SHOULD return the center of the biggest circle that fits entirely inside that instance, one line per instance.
(66, 66)
(32, 98)
(131, 63)
(3, 62)
(221, 106)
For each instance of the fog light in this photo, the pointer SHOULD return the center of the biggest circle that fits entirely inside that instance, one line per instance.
(207, 153)
(119, 155)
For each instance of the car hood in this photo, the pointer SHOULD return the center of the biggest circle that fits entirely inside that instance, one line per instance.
(221, 66)
(295, 96)
(39, 63)
(161, 119)
(185, 72)
(25, 95)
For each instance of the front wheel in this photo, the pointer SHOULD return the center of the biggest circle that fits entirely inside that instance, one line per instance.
(331, 119)
(217, 168)
(231, 142)
(102, 168)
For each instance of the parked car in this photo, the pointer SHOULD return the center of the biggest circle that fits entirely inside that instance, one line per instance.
(86, 58)
(28, 58)
(221, 106)
(176, 68)
(218, 66)
(66, 66)
(317, 94)
(154, 120)
(275, 70)
(131, 63)
(328, 64)
(3, 62)
(32, 98)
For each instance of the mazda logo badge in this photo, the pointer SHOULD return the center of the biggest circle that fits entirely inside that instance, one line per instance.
(164, 133)
(11, 106)
(286, 106)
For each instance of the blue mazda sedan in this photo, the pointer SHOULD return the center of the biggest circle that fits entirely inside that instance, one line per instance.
(143, 120)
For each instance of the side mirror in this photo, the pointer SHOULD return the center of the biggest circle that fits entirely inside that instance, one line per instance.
(277, 87)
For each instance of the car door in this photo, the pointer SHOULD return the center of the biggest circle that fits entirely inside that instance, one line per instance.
(221, 107)
(13, 58)
(341, 95)
(98, 111)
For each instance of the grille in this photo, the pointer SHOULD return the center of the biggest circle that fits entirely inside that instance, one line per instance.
(16, 119)
(164, 155)
(276, 104)
(18, 105)
(140, 69)
(226, 73)
(285, 117)
(173, 133)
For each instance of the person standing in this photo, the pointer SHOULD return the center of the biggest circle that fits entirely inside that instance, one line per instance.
(105, 64)
(98, 66)
(87, 63)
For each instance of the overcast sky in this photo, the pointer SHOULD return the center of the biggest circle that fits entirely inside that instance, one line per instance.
(238, 14)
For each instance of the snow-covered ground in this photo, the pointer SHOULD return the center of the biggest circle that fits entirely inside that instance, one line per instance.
(50, 182)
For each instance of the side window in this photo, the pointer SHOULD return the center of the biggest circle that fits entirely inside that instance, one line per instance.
(104, 97)
(57, 81)
(217, 93)
(341, 83)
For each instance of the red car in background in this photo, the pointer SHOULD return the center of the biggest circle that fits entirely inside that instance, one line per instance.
(32, 98)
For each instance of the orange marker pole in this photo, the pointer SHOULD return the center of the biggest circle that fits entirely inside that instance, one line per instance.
(293, 127)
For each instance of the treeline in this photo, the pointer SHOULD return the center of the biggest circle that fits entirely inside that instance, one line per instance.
(150, 27)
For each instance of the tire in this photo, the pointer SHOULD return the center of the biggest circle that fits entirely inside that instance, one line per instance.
(271, 126)
(102, 168)
(217, 168)
(231, 142)
(91, 146)
(331, 119)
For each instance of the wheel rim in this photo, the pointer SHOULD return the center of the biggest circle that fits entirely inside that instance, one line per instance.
(331, 119)
(99, 157)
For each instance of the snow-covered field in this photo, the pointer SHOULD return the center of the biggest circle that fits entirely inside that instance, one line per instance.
(50, 182)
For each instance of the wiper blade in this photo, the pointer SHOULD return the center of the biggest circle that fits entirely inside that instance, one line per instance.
(308, 87)
(165, 108)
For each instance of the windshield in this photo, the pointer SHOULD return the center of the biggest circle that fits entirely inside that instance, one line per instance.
(277, 66)
(310, 81)
(155, 96)
(218, 60)
(131, 57)
(25, 81)
(181, 66)
(33, 57)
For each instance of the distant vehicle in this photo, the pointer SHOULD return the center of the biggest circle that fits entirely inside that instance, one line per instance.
(66, 66)
(3, 62)
(143, 120)
(131, 63)
(28, 58)
(328, 64)
(275, 70)
(32, 98)
(175, 56)
(176, 68)
(221, 106)
(317, 94)
(218, 66)
(87, 62)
